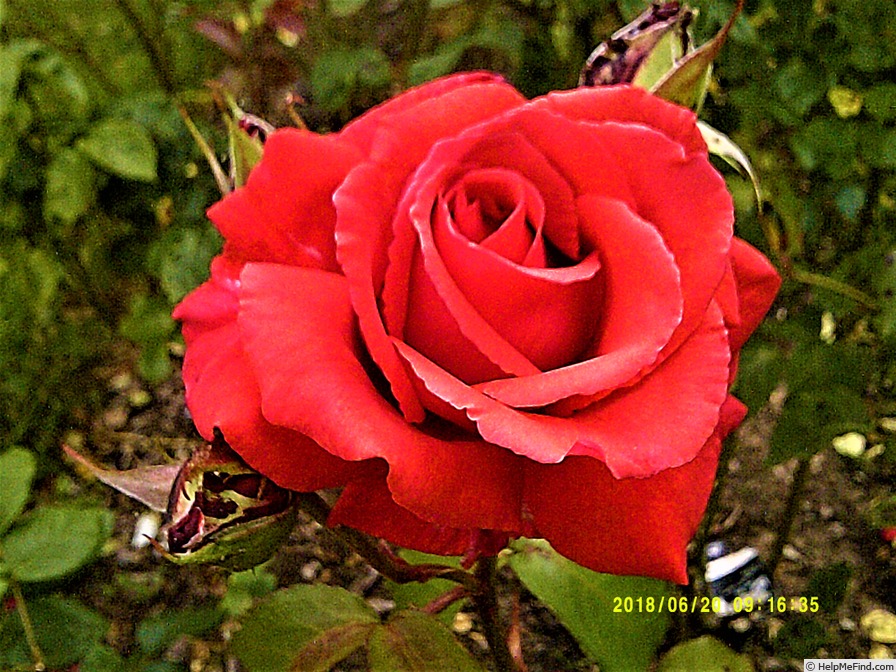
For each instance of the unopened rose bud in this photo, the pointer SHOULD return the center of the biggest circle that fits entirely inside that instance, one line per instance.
(643, 51)
(222, 512)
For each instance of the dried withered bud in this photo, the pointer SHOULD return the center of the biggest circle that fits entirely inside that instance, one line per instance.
(222, 512)
(658, 34)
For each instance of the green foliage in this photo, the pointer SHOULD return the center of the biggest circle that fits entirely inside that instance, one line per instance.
(155, 634)
(66, 632)
(54, 540)
(412, 641)
(617, 639)
(704, 653)
(17, 468)
(318, 625)
(313, 627)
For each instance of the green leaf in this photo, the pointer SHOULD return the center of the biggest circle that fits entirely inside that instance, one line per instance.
(338, 74)
(102, 658)
(70, 188)
(156, 633)
(54, 541)
(17, 468)
(829, 585)
(12, 59)
(616, 640)
(331, 646)
(277, 631)
(759, 372)
(439, 63)
(811, 418)
(800, 86)
(413, 641)
(65, 629)
(706, 654)
(180, 260)
(149, 324)
(243, 588)
(123, 148)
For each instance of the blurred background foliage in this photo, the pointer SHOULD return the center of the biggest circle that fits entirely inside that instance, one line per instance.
(103, 192)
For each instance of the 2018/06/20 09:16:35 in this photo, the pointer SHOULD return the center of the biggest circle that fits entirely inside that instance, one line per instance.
(746, 605)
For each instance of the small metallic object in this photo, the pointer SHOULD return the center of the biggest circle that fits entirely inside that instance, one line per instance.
(738, 574)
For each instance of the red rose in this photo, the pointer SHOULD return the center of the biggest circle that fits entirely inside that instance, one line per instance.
(485, 317)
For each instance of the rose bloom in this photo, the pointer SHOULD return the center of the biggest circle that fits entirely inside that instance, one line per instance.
(485, 317)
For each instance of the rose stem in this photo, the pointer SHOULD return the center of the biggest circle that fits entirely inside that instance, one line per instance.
(800, 477)
(486, 602)
(514, 642)
(27, 626)
(445, 600)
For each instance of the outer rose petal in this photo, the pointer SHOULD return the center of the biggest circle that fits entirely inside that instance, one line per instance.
(284, 213)
(664, 419)
(222, 392)
(628, 104)
(367, 505)
(362, 130)
(299, 331)
(757, 285)
(628, 526)
(697, 227)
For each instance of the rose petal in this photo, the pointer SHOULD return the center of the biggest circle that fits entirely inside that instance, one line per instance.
(481, 353)
(284, 212)
(222, 392)
(757, 284)
(686, 199)
(627, 104)
(626, 526)
(366, 200)
(538, 437)
(664, 419)
(361, 131)
(639, 313)
(367, 505)
(297, 326)
(299, 332)
(549, 315)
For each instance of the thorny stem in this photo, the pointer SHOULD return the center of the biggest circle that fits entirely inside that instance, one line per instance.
(378, 555)
(800, 477)
(36, 655)
(486, 601)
